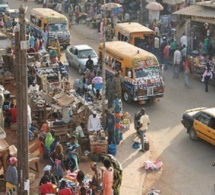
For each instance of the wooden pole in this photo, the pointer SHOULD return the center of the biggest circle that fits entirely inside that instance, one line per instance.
(103, 67)
(22, 103)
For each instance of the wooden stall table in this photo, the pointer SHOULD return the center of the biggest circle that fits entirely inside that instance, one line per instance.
(98, 146)
(34, 160)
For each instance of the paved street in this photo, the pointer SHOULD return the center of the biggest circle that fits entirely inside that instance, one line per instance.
(187, 164)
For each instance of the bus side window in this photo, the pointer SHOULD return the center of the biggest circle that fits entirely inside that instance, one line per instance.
(118, 66)
(128, 72)
(39, 23)
(33, 19)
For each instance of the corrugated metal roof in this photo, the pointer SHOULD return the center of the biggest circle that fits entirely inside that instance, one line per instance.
(198, 11)
(173, 2)
(210, 4)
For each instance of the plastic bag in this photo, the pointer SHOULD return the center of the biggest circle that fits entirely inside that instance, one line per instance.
(153, 165)
(203, 80)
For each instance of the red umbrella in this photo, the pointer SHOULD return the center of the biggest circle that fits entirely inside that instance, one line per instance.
(154, 6)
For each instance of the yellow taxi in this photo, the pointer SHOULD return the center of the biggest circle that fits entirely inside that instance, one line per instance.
(200, 123)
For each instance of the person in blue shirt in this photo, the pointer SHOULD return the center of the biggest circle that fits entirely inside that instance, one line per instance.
(32, 41)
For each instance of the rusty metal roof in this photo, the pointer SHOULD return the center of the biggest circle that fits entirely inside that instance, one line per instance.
(198, 11)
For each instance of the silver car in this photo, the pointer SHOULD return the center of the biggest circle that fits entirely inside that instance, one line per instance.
(77, 56)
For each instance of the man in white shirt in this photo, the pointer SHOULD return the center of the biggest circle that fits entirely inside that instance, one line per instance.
(184, 40)
(143, 126)
(176, 63)
(127, 17)
(94, 123)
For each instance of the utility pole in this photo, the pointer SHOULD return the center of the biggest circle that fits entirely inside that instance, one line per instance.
(22, 103)
(103, 66)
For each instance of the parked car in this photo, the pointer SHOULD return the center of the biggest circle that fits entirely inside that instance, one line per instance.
(200, 123)
(3, 7)
(9, 15)
(77, 56)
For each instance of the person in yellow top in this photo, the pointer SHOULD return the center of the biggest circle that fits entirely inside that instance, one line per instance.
(143, 126)
(56, 44)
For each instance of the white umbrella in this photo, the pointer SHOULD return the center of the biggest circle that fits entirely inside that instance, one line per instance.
(154, 6)
(173, 2)
(111, 6)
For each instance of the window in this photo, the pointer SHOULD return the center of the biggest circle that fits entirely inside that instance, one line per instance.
(204, 118)
(39, 23)
(117, 65)
(212, 123)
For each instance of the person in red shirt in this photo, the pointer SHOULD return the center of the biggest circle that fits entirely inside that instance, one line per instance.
(166, 56)
(47, 187)
(64, 190)
(12, 112)
(41, 148)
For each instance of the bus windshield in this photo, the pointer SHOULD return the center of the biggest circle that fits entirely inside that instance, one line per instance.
(146, 72)
(58, 27)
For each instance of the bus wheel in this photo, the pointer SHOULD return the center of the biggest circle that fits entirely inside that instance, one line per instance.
(126, 96)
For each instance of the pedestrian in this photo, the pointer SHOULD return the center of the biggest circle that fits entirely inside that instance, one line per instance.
(162, 46)
(142, 127)
(184, 53)
(184, 40)
(32, 40)
(46, 187)
(110, 87)
(156, 47)
(110, 126)
(64, 190)
(44, 3)
(118, 86)
(48, 141)
(176, 63)
(45, 36)
(107, 182)
(186, 72)
(41, 147)
(66, 6)
(54, 143)
(12, 177)
(47, 172)
(57, 159)
(77, 13)
(56, 44)
(166, 57)
(207, 75)
(89, 63)
(98, 21)
(89, 76)
(172, 48)
(13, 113)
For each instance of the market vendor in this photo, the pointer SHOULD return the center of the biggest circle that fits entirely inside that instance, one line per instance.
(72, 157)
(47, 172)
(94, 123)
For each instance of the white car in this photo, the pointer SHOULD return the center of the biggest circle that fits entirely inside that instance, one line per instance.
(77, 56)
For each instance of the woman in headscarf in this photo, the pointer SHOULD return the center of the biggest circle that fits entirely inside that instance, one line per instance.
(11, 176)
(48, 141)
(57, 158)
